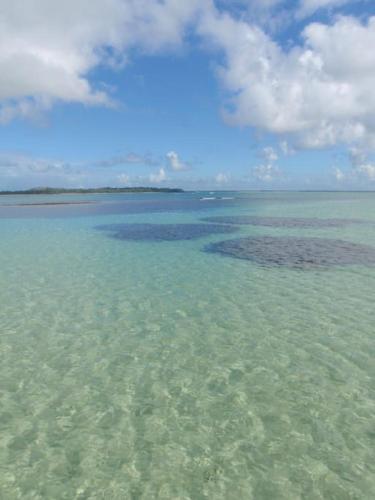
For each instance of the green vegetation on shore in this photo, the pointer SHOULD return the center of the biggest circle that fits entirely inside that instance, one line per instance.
(49, 190)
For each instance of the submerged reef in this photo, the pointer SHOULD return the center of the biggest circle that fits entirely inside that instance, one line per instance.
(299, 253)
(287, 222)
(163, 232)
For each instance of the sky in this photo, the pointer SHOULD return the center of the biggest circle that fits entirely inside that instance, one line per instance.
(225, 94)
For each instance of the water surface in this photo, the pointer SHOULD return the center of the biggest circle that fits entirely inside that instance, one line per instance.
(154, 369)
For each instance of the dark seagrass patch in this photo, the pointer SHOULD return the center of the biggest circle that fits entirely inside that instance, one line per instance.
(287, 222)
(299, 253)
(164, 232)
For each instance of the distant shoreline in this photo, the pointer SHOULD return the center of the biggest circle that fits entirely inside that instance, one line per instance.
(103, 190)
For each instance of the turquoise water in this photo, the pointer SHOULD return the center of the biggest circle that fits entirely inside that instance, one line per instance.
(154, 369)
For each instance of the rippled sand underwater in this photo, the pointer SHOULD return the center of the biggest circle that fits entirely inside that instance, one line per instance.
(154, 369)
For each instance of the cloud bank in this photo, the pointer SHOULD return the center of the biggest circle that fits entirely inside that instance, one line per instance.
(315, 91)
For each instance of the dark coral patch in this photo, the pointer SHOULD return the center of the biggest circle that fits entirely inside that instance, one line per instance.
(164, 232)
(300, 253)
(287, 222)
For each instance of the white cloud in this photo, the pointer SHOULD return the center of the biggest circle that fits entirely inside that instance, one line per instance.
(269, 154)
(222, 178)
(361, 164)
(361, 172)
(357, 156)
(278, 15)
(159, 177)
(175, 163)
(339, 174)
(320, 94)
(273, 8)
(266, 172)
(308, 7)
(286, 149)
(368, 170)
(48, 48)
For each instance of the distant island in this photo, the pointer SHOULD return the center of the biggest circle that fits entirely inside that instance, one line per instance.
(49, 190)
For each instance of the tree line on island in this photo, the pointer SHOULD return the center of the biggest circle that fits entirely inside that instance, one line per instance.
(50, 190)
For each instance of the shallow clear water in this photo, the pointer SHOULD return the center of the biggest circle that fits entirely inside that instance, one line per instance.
(154, 369)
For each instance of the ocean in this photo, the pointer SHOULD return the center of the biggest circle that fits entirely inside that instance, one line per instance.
(215, 345)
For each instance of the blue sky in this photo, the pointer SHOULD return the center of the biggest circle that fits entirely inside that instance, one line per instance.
(271, 94)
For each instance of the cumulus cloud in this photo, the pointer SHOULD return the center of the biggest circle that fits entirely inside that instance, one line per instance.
(278, 15)
(286, 149)
(175, 163)
(368, 170)
(267, 171)
(269, 154)
(159, 177)
(339, 174)
(320, 93)
(47, 49)
(308, 7)
(361, 171)
(361, 164)
(222, 178)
